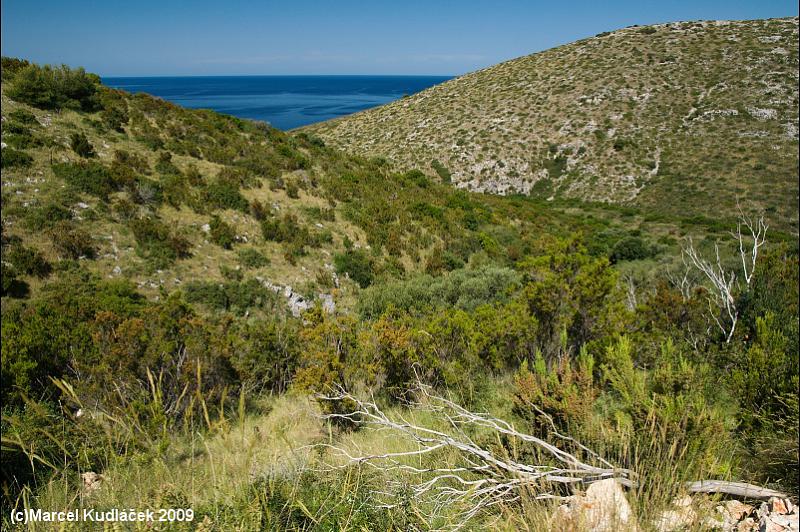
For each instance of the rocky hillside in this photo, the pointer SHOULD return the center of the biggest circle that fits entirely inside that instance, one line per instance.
(677, 116)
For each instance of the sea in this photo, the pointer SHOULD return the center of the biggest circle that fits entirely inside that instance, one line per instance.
(285, 102)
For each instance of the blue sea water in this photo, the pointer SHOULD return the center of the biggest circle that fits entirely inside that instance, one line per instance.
(286, 102)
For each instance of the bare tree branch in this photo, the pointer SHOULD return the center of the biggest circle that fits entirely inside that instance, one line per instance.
(479, 477)
(723, 284)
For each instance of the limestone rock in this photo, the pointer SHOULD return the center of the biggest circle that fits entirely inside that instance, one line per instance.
(604, 508)
(91, 481)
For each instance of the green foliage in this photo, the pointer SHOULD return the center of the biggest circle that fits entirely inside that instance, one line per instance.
(463, 289)
(81, 145)
(46, 216)
(11, 66)
(70, 241)
(630, 248)
(569, 291)
(224, 194)
(12, 158)
(265, 355)
(441, 170)
(87, 176)
(560, 398)
(252, 258)
(221, 233)
(357, 264)
(157, 243)
(48, 87)
(27, 261)
(235, 297)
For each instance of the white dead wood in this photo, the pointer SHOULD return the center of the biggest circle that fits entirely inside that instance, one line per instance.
(478, 477)
(750, 235)
(738, 489)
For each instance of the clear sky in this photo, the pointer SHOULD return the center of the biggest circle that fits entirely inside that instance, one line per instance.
(176, 37)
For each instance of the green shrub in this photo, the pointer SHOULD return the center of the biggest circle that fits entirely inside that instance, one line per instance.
(464, 289)
(156, 243)
(630, 248)
(87, 176)
(232, 296)
(28, 261)
(441, 171)
(23, 116)
(357, 264)
(265, 355)
(11, 66)
(12, 158)
(224, 194)
(221, 233)
(70, 241)
(81, 145)
(252, 258)
(48, 87)
(38, 218)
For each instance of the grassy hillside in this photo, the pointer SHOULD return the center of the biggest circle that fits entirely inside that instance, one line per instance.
(673, 117)
(150, 341)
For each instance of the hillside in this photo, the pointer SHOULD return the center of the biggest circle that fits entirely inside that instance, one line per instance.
(673, 117)
(207, 314)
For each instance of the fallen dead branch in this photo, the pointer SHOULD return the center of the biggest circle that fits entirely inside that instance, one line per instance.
(481, 477)
(738, 489)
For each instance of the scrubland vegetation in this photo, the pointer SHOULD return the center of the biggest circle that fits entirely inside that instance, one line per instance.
(146, 336)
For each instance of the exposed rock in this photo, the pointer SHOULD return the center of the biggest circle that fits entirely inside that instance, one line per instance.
(779, 506)
(680, 517)
(91, 481)
(603, 508)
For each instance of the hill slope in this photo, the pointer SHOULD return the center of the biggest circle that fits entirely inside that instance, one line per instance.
(677, 116)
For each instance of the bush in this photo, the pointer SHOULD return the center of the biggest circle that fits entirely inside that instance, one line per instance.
(265, 355)
(252, 258)
(23, 116)
(221, 233)
(11, 66)
(463, 289)
(441, 171)
(11, 158)
(48, 87)
(81, 145)
(28, 261)
(357, 264)
(224, 194)
(233, 296)
(87, 176)
(46, 216)
(630, 248)
(70, 241)
(156, 243)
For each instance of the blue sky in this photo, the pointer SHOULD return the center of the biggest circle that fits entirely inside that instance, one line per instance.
(175, 37)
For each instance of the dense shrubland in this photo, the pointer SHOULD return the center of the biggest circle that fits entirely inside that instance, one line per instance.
(196, 392)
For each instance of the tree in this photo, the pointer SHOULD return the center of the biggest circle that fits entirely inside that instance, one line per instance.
(750, 234)
(81, 145)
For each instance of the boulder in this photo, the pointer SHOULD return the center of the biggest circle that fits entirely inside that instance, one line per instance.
(604, 508)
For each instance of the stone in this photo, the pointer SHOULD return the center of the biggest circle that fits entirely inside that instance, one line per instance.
(91, 481)
(680, 517)
(778, 506)
(746, 525)
(768, 525)
(734, 511)
(788, 522)
(604, 508)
